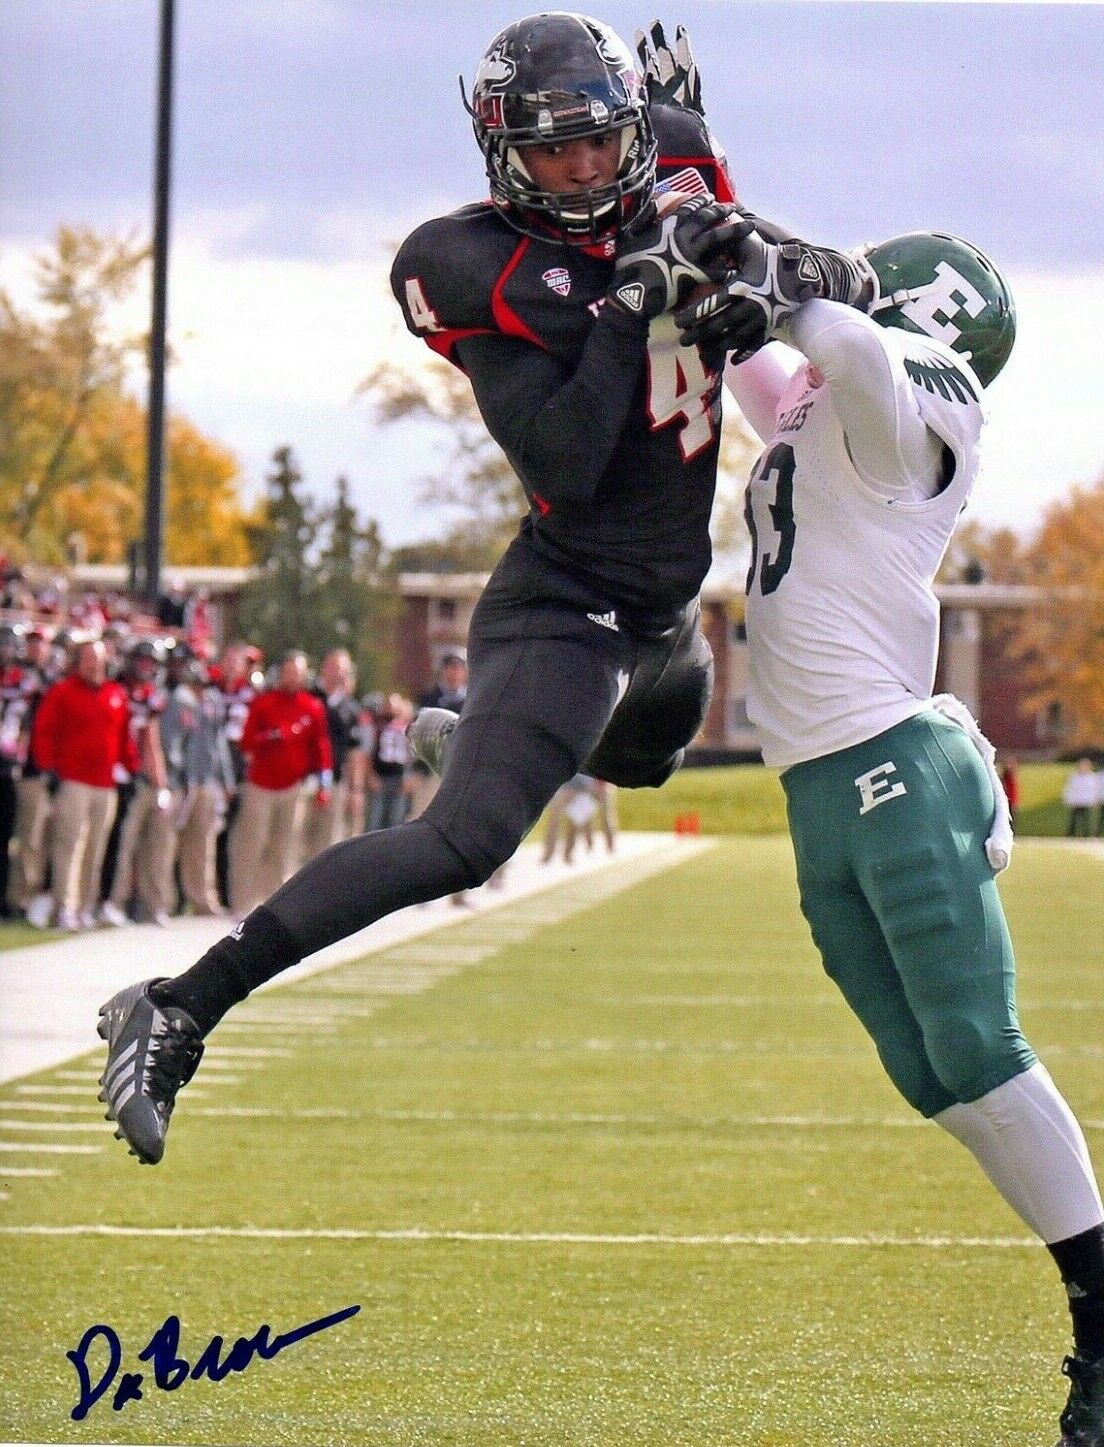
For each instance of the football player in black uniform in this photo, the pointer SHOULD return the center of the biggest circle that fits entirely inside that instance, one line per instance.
(585, 651)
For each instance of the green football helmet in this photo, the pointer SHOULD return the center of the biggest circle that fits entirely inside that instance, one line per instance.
(946, 289)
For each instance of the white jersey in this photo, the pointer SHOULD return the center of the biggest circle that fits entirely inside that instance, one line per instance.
(842, 619)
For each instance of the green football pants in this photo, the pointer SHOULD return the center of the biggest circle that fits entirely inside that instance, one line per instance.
(889, 838)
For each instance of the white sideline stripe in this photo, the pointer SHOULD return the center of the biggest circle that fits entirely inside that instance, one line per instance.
(49, 1125)
(417, 1234)
(27, 1171)
(38, 1148)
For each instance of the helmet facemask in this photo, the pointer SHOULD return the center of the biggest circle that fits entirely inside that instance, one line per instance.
(558, 78)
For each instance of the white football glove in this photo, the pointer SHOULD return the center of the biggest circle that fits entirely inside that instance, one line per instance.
(998, 847)
(670, 73)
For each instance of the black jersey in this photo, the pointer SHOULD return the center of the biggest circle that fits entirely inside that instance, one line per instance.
(610, 424)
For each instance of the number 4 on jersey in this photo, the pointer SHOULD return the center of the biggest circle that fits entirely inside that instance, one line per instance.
(422, 314)
(679, 386)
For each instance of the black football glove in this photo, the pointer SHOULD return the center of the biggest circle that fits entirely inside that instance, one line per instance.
(670, 73)
(768, 282)
(658, 262)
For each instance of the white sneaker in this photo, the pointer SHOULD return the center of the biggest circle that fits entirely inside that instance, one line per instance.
(110, 913)
(39, 911)
(69, 920)
(161, 919)
(87, 919)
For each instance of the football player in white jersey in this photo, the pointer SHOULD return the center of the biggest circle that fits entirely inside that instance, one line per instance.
(872, 421)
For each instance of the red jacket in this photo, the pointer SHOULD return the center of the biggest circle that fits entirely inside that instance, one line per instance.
(82, 733)
(286, 738)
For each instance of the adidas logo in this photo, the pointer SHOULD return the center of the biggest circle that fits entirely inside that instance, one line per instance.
(606, 620)
(236, 932)
(807, 269)
(632, 296)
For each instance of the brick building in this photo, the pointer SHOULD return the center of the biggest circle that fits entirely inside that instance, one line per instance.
(974, 658)
(975, 661)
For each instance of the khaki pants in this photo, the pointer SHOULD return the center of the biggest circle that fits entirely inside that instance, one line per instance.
(199, 817)
(325, 824)
(147, 851)
(82, 820)
(264, 843)
(32, 818)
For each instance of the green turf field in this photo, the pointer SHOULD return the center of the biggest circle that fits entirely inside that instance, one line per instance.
(747, 799)
(614, 1167)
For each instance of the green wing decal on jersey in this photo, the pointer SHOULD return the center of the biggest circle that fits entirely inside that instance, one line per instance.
(939, 376)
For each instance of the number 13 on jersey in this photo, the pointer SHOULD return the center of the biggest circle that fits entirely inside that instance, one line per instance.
(769, 514)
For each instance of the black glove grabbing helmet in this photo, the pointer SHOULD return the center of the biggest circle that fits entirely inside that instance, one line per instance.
(558, 77)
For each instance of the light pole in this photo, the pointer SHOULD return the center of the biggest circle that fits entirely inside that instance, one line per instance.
(155, 449)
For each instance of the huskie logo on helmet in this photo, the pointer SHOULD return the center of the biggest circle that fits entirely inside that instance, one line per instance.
(553, 77)
(946, 289)
(496, 69)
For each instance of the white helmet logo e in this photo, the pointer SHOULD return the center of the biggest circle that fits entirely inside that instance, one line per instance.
(933, 307)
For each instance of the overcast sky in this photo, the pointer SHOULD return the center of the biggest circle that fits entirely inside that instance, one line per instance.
(312, 133)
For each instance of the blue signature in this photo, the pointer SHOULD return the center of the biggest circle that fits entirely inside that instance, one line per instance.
(170, 1370)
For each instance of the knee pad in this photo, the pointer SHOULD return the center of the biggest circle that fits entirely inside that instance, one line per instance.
(628, 773)
(974, 1053)
(481, 840)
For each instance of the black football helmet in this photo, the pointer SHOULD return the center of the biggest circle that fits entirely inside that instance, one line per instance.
(553, 77)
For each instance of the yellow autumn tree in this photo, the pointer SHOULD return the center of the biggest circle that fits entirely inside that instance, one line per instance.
(1061, 639)
(73, 440)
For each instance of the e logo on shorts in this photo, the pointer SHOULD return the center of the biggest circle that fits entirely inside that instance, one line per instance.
(874, 788)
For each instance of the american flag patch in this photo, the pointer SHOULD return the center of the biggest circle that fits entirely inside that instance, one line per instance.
(688, 180)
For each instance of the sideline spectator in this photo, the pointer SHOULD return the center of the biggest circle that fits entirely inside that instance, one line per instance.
(578, 814)
(201, 776)
(239, 678)
(1080, 798)
(450, 691)
(143, 872)
(343, 815)
(389, 781)
(1010, 782)
(82, 739)
(285, 740)
(606, 796)
(32, 819)
(12, 707)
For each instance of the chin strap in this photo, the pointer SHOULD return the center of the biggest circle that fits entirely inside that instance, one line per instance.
(998, 847)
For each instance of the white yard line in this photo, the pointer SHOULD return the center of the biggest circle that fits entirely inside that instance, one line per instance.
(569, 1118)
(48, 1125)
(417, 1234)
(39, 1148)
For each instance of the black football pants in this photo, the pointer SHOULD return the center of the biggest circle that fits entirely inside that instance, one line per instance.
(553, 691)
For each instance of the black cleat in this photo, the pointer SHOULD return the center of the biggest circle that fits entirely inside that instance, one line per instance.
(1082, 1422)
(151, 1052)
(429, 734)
